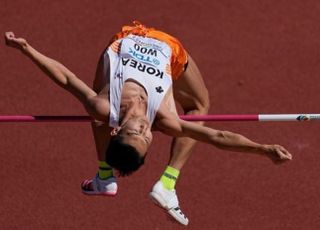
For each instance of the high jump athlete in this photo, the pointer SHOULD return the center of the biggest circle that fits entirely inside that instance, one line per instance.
(139, 77)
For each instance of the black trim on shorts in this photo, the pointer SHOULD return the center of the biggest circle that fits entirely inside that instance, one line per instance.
(186, 66)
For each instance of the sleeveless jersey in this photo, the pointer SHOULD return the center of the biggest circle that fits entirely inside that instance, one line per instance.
(144, 60)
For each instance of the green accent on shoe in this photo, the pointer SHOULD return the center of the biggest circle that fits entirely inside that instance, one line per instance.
(169, 177)
(105, 171)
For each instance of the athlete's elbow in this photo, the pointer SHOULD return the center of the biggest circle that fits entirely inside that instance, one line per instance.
(221, 139)
(97, 109)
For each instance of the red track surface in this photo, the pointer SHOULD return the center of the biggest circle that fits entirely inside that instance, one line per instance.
(256, 57)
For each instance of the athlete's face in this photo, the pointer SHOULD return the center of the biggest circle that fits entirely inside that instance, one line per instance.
(137, 133)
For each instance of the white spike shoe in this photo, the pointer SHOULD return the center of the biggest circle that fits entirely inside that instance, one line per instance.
(97, 186)
(169, 201)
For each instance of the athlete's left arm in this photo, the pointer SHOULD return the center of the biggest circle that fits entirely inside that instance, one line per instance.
(169, 124)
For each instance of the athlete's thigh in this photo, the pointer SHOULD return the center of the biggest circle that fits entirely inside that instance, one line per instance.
(102, 73)
(190, 90)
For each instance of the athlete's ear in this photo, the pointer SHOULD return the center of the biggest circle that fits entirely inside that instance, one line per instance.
(115, 131)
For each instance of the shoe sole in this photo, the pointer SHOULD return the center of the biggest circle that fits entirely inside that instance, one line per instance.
(98, 193)
(157, 200)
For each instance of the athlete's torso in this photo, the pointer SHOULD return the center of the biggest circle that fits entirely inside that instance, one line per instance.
(139, 68)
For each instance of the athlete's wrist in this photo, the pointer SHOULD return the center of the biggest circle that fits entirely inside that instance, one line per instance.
(25, 48)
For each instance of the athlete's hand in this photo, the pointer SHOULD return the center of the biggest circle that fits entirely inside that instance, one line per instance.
(12, 41)
(277, 153)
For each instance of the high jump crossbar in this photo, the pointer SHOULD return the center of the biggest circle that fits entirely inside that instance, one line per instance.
(212, 117)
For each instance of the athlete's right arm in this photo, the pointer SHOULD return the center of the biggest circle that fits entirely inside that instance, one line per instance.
(63, 77)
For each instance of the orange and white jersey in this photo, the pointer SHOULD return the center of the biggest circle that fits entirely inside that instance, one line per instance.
(144, 60)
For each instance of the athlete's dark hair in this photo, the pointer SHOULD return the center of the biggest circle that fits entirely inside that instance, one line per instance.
(123, 157)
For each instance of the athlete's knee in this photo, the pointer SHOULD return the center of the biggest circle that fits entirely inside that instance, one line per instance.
(199, 108)
(206, 101)
(203, 105)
